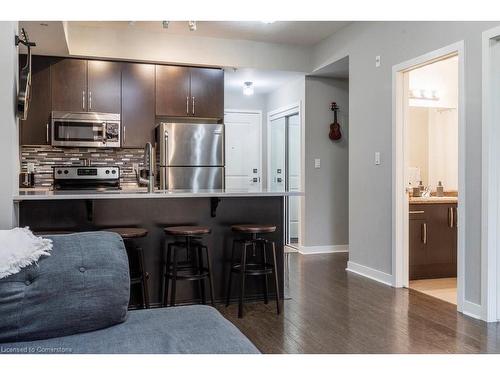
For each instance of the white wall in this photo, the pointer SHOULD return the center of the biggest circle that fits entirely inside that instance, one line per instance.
(370, 99)
(9, 153)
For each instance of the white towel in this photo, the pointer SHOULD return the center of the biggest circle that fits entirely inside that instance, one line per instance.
(19, 248)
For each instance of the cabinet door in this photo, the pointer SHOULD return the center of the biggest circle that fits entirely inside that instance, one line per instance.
(104, 86)
(35, 129)
(207, 93)
(138, 104)
(172, 91)
(69, 85)
(417, 247)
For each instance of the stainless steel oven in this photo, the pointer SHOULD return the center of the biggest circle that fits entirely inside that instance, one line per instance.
(86, 129)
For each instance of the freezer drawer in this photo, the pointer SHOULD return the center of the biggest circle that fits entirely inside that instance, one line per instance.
(196, 178)
(187, 144)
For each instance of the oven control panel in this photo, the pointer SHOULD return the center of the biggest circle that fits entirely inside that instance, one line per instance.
(84, 173)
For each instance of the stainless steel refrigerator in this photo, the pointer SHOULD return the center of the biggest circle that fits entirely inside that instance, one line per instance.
(190, 156)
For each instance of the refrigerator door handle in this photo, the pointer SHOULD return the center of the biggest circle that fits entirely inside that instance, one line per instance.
(167, 162)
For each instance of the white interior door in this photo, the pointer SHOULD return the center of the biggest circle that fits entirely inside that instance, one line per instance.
(243, 150)
(293, 176)
(278, 153)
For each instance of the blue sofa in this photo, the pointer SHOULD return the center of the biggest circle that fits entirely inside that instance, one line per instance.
(75, 301)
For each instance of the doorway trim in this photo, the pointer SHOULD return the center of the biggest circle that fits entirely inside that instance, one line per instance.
(400, 216)
(287, 110)
(261, 150)
(490, 241)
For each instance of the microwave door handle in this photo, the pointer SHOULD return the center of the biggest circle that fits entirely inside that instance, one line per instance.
(104, 131)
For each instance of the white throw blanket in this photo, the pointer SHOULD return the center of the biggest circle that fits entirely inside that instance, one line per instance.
(19, 248)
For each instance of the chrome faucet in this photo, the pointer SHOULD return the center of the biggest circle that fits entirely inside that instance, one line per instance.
(149, 162)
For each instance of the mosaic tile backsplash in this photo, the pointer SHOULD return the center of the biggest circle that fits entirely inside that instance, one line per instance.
(46, 157)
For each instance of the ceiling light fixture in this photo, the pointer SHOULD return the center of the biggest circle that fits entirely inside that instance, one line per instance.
(248, 88)
(268, 21)
(424, 94)
(164, 24)
(192, 25)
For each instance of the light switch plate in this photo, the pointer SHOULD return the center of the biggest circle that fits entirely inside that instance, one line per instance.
(377, 61)
(317, 163)
(377, 158)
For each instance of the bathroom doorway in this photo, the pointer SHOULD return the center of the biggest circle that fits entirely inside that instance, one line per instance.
(428, 175)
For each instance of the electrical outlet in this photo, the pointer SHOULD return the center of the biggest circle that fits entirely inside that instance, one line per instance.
(377, 61)
(377, 158)
(317, 163)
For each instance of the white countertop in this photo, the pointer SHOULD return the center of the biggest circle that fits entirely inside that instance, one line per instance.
(37, 194)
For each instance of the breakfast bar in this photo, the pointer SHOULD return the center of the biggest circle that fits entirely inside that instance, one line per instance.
(217, 209)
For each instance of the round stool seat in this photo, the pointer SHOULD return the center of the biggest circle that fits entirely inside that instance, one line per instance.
(186, 230)
(254, 228)
(128, 233)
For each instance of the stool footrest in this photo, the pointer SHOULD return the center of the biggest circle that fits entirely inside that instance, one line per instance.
(254, 268)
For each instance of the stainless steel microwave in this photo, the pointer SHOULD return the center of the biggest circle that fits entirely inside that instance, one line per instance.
(85, 129)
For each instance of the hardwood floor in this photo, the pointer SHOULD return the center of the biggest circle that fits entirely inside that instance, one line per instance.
(332, 311)
(444, 289)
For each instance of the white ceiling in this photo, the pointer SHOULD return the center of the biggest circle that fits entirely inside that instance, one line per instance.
(338, 69)
(264, 81)
(302, 33)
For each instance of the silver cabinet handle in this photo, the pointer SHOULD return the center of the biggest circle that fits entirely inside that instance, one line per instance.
(47, 133)
(124, 133)
(90, 100)
(83, 100)
(417, 212)
(193, 105)
(187, 105)
(424, 233)
(451, 219)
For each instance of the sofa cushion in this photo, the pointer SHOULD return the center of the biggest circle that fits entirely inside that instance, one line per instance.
(83, 286)
(179, 330)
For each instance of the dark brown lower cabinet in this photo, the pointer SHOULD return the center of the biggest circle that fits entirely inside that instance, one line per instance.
(433, 241)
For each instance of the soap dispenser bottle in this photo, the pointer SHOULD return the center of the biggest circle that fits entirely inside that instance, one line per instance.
(440, 190)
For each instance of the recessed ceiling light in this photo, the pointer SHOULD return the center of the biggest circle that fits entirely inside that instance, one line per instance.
(248, 88)
(268, 22)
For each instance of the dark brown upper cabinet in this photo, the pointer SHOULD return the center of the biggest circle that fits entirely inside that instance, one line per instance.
(81, 85)
(35, 130)
(189, 92)
(138, 104)
(69, 85)
(104, 86)
(172, 90)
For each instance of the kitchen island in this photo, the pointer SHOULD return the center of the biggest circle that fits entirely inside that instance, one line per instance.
(217, 209)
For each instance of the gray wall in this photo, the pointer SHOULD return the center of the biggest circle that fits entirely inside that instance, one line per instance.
(9, 154)
(326, 201)
(370, 114)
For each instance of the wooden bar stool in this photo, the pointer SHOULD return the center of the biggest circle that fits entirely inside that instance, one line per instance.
(138, 274)
(193, 268)
(257, 267)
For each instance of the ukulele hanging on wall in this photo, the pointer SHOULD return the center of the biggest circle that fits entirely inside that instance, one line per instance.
(334, 134)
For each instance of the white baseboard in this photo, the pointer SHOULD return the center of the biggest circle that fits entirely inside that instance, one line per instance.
(370, 273)
(473, 310)
(306, 250)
